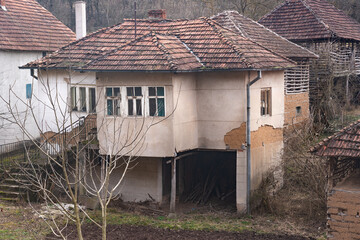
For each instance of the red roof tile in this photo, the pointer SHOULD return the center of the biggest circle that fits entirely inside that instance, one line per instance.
(164, 45)
(310, 20)
(262, 35)
(345, 143)
(27, 26)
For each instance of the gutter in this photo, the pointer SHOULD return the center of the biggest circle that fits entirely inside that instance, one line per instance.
(248, 140)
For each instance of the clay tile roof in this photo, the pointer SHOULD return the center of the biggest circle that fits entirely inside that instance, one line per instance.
(25, 25)
(310, 20)
(262, 35)
(345, 143)
(164, 45)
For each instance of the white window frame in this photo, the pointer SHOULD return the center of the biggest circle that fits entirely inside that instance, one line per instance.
(134, 100)
(156, 97)
(116, 111)
(266, 103)
(75, 105)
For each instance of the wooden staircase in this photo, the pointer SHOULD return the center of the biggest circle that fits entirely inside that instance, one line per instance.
(15, 171)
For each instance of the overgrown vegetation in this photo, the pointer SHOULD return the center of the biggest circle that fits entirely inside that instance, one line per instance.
(109, 12)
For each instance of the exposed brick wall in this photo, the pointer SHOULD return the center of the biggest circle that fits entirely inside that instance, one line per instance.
(292, 101)
(343, 214)
(264, 135)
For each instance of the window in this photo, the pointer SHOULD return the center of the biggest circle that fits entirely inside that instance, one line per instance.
(82, 99)
(157, 101)
(134, 97)
(265, 101)
(28, 91)
(298, 110)
(73, 99)
(113, 99)
(92, 100)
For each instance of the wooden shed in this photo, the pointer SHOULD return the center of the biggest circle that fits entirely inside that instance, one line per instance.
(325, 30)
(343, 203)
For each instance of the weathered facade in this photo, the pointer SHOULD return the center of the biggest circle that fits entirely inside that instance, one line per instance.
(27, 32)
(326, 31)
(181, 86)
(296, 79)
(342, 152)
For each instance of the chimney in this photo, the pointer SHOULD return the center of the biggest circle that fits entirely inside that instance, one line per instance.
(157, 14)
(2, 5)
(80, 19)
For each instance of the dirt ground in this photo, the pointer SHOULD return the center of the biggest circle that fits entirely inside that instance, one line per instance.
(92, 232)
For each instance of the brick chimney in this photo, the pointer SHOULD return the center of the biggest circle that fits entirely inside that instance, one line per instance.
(2, 4)
(157, 14)
(80, 19)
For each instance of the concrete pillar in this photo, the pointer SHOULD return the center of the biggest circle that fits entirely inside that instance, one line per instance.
(241, 181)
(173, 186)
(80, 19)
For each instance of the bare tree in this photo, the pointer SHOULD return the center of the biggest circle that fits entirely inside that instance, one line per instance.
(67, 163)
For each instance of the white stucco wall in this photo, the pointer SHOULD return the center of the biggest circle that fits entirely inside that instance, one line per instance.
(201, 109)
(54, 94)
(132, 135)
(143, 178)
(16, 79)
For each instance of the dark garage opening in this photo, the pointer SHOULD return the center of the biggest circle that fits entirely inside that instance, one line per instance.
(204, 177)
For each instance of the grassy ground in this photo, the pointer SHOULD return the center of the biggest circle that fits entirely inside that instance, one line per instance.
(19, 222)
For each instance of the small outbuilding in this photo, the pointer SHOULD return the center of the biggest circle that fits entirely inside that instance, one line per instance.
(343, 202)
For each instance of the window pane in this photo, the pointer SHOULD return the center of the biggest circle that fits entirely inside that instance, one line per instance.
(92, 100)
(109, 92)
(152, 106)
(161, 107)
(73, 98)
(138, 91)
(130, 107)
(117, 107)
(130, 91)
(109, 107)
(28, 91)
(160, 91)
(152, 91)
(116, 92)
(83, 99)
(138, 107)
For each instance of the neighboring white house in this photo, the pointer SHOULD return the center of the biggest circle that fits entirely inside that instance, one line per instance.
(27, 32)
(182, 83)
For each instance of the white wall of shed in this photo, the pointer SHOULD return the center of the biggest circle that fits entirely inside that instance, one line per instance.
(16, 79)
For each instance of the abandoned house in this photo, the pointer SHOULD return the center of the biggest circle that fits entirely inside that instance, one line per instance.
(186, 87)
(28, 32)
(296, 78)
(326, 31)
(342, 152)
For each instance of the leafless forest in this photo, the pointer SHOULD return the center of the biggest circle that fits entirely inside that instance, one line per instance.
(103, 13)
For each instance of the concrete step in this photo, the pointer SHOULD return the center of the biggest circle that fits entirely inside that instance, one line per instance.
(10, 194)
(12, 187)
(9, 199)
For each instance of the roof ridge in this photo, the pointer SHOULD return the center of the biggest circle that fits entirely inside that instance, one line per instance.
(335, 135)
(116, 49)
(317, 17)
(76, 41)
(260, 45)
(275, 9)
(265, 28)
(212, 23)
(172, 62)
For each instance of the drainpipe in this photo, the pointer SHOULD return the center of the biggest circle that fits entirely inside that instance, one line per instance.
(248, 140)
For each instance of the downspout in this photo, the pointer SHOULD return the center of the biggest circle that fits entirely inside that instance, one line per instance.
(32, 74)
(248, 141)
